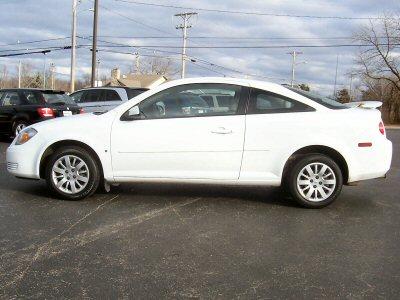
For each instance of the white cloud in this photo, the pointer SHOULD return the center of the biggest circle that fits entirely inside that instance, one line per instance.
(26, 20)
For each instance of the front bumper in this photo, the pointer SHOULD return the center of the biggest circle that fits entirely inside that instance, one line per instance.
(22, 161)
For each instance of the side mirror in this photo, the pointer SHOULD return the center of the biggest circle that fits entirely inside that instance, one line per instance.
(132, 114)
(134, 111)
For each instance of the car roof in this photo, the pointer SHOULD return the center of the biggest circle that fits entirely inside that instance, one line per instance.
(35, 89)
(257, 84)
(112, 87)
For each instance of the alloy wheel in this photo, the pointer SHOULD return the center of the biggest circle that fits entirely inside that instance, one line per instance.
(70, 174)
(316, 182)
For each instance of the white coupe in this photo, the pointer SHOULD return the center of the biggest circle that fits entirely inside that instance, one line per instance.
(210, 131)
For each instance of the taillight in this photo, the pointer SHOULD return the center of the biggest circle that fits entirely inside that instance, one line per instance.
(381, 128)
(45, 112)
(81, 111)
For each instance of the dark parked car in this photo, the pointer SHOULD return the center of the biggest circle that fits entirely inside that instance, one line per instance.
(20, 108)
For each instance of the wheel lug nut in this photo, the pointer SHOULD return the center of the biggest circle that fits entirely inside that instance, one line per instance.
(315, 186)
(320, 182)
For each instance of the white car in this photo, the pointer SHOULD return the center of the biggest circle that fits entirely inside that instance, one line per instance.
(261, 134)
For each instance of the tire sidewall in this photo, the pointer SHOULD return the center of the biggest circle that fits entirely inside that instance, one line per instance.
(94, 175)
(299, 165)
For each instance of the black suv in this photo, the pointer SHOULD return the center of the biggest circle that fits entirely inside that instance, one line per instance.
(20, 108)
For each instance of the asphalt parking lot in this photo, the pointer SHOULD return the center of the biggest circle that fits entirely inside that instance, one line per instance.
(162, 241)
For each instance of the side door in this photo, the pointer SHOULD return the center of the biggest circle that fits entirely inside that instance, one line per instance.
(179, 136)
(275, 124)
(92, 100)
(111, 99)
(8, 102)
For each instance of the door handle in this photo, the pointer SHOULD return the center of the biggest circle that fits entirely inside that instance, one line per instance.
(221, 130)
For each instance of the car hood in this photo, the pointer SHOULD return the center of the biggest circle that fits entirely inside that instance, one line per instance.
(77, 125)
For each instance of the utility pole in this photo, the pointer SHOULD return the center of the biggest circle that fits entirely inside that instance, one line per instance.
(19, 74)
(137, 62)
(97, 73)
(184, 26)
(73, 45)
(94, 46)
(293, 54)
(351, 87)
(44, 70)
(334, 87)
(19, 71)
(52, 70)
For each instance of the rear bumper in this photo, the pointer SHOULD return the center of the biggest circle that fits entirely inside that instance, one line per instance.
(372, 162)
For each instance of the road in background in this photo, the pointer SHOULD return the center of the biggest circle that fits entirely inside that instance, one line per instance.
(169, 241)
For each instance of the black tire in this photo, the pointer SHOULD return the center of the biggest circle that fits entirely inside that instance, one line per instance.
(297, 167)
(16, 125)
(94, 172)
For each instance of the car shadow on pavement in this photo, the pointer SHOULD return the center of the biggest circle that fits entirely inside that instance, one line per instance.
(270, 195)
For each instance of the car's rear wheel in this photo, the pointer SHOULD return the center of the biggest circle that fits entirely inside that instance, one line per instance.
(18, 126)
(72, 173)
(315, 181)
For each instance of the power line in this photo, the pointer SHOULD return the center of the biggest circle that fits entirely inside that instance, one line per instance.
(233, 37)
(252, 47)
(158, 47)
(133, 54)
(250, 13)
(31, 49)
(133, 20)
(205, 68)
(36, 41)
(116, 45)
(33, 52)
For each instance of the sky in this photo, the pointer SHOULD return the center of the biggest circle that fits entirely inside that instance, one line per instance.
(150, 31)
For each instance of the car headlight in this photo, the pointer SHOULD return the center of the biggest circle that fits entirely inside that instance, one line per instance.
(25, 136)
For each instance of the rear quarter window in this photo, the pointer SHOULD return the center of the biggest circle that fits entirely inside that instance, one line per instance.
(32, 97)
(325, 101)
(134, 93)
(112, 95)
(264, 102)
(53, 98)
(77, 96)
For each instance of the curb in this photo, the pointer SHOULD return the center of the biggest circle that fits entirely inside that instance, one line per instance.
(392, 127)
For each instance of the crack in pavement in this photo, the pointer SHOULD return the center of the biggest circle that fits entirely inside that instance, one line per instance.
(65, 244)
(41, 250)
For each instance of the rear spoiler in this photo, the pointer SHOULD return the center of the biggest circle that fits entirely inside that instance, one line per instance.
(365, 104)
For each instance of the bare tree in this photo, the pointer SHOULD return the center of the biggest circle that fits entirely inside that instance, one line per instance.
(3, 77)
(158, 66)
(379, 60)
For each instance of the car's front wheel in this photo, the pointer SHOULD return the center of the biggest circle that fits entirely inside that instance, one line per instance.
(315, 181)
(72, 173)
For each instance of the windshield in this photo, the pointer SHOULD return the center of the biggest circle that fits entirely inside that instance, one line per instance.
(325, 101)
(53, 98)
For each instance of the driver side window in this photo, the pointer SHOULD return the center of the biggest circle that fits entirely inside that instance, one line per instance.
(189, 101)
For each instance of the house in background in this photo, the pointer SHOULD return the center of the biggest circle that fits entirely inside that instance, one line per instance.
(135, 80)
